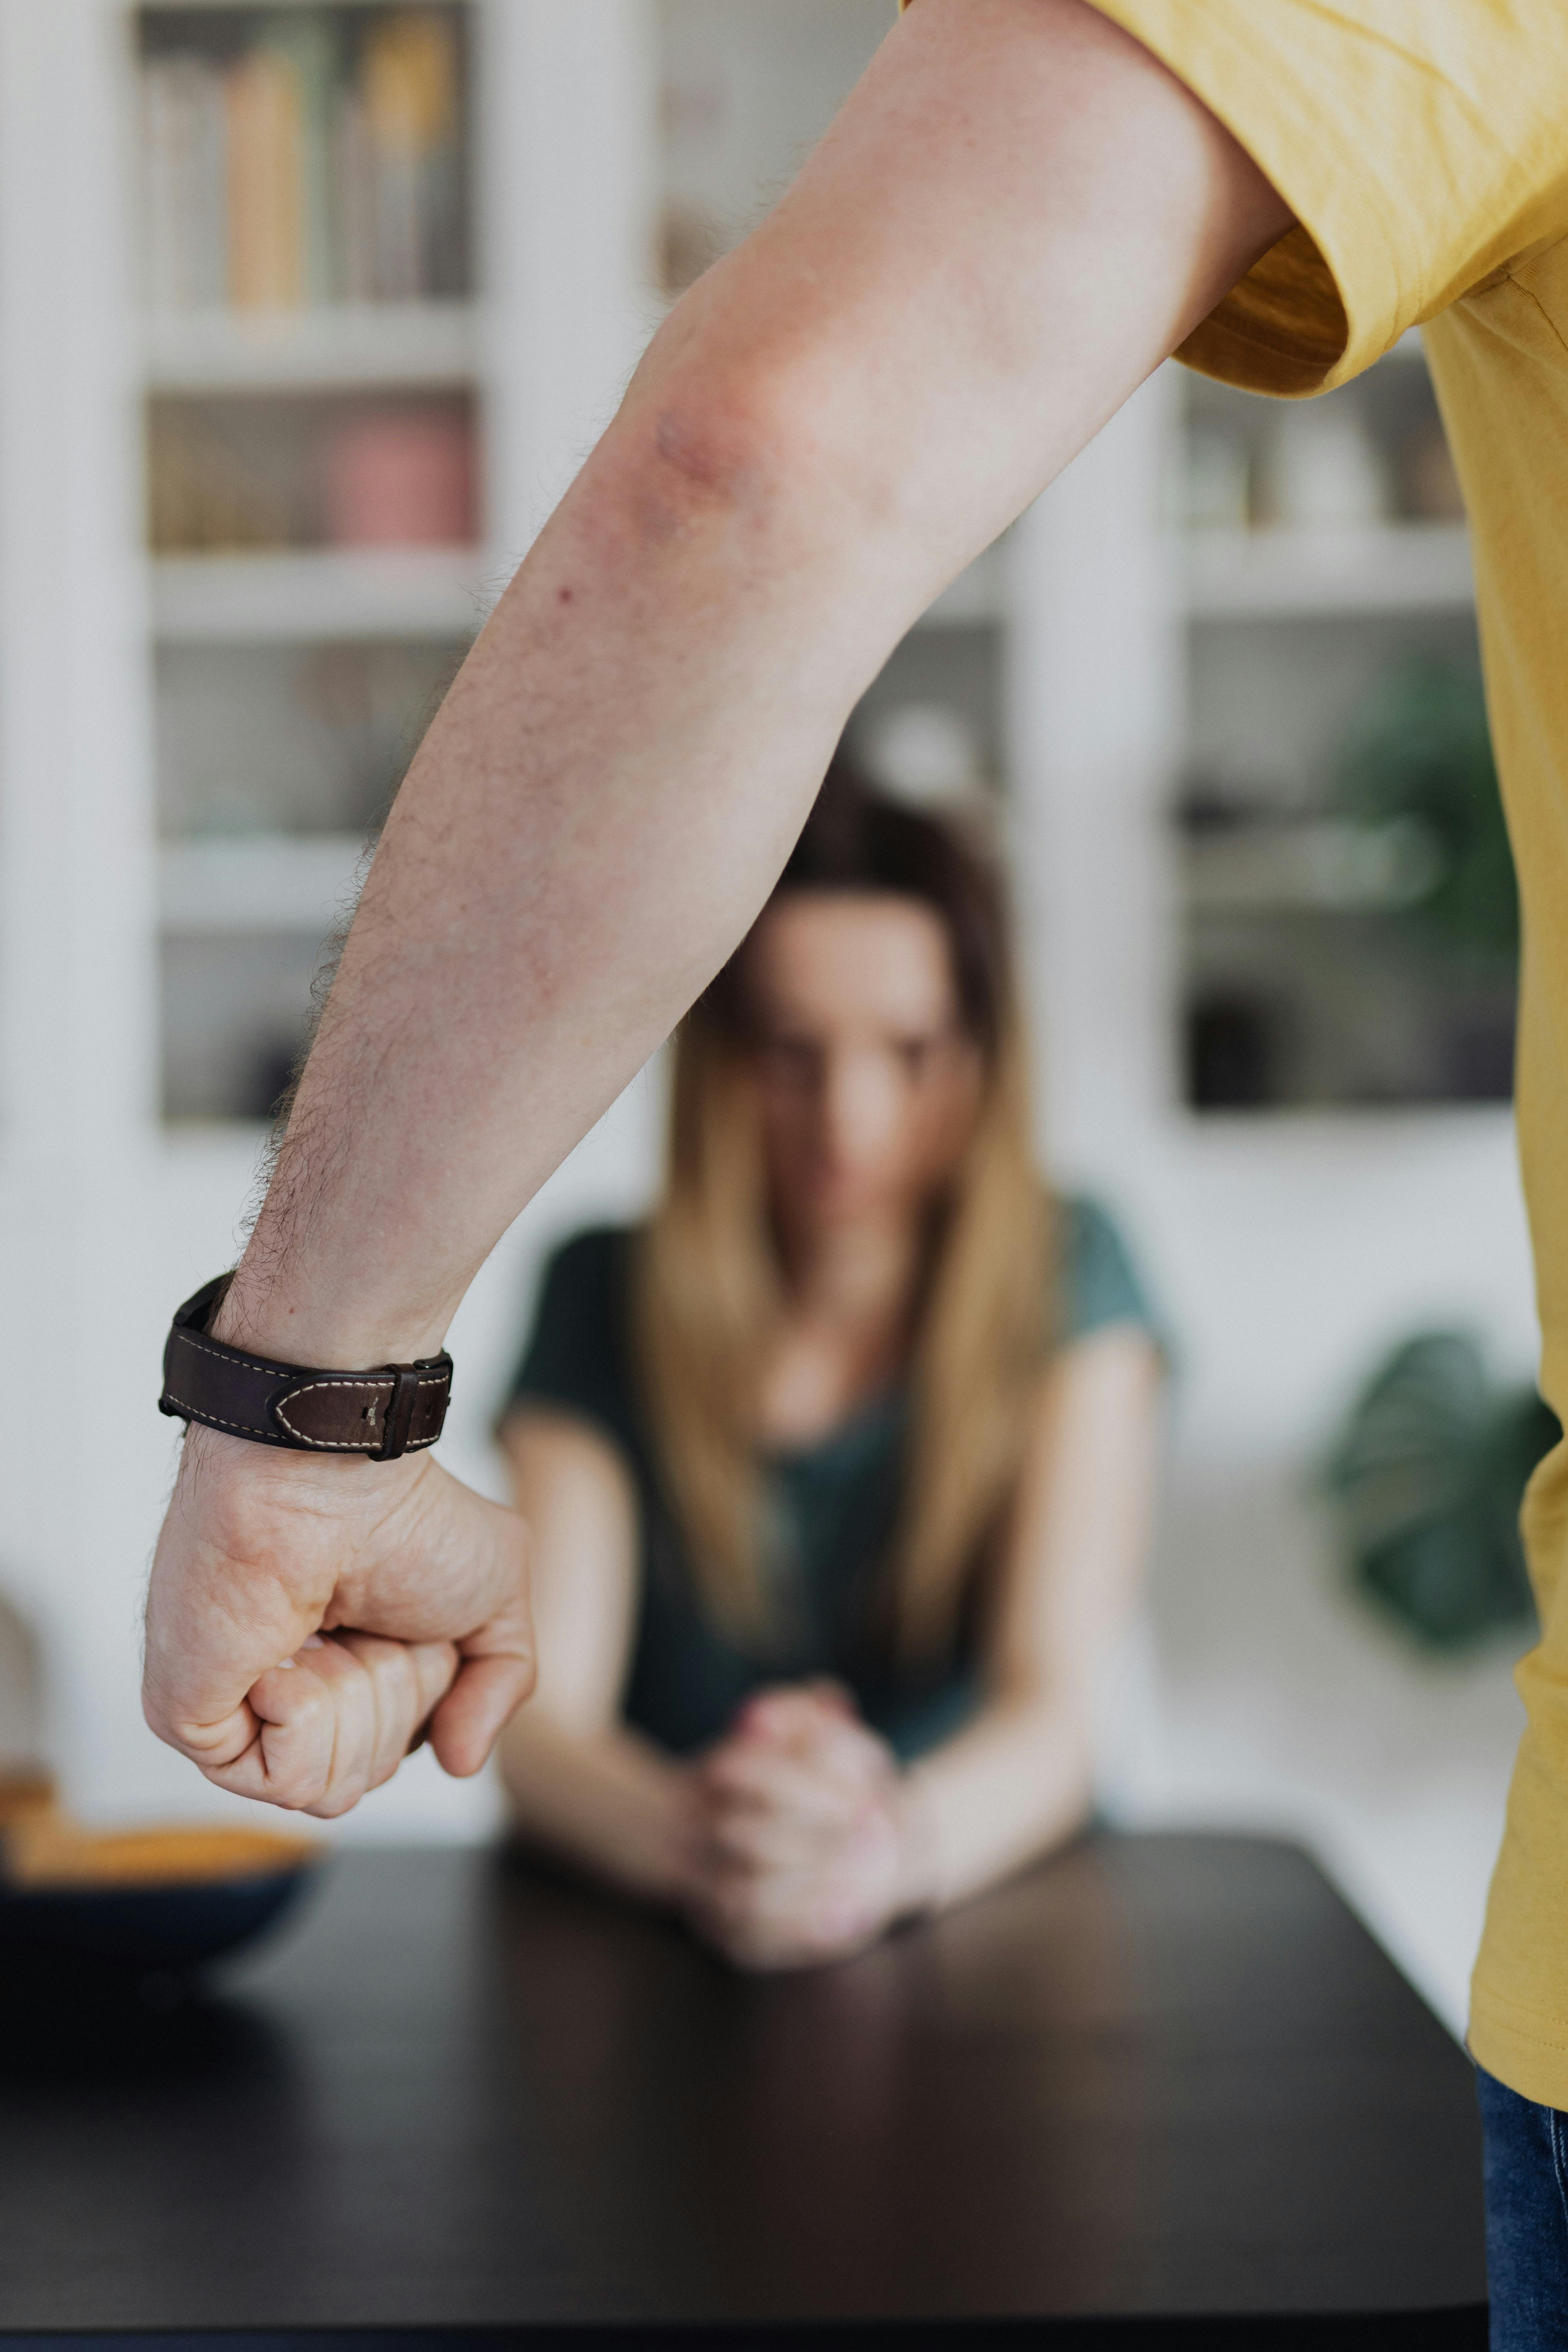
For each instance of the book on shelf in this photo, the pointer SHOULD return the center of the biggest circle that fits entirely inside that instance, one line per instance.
(321, 161)
(409, 80)
(261, 117)
(280, 178)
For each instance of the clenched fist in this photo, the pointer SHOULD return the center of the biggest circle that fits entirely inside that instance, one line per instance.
(308, 1620)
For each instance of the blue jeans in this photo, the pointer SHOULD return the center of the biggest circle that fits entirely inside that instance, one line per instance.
(1527, 2219)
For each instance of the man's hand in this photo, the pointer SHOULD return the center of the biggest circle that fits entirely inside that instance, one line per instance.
(810, 1841)
(309, 1619)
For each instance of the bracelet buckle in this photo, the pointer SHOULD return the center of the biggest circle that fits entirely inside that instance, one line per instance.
(379, 1414)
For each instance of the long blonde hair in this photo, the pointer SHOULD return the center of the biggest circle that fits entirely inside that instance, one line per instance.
(708, 1291)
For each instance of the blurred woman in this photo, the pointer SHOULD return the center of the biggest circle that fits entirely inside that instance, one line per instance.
(837, 1470)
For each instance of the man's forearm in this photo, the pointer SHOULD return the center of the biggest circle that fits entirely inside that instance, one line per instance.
(598, 808)
(828, 428)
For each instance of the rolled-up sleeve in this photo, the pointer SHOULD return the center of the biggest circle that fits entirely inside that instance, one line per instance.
(1420, 144)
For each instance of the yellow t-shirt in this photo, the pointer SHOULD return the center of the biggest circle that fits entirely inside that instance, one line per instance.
(1423, 146)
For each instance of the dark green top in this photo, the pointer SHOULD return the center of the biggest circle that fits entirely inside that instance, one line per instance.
(832, 1507)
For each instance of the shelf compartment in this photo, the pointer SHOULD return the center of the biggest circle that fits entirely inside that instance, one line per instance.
(1303, 574)
(1302, 1006)
(283, 599)
(243, 473)
(401, 344)
(309, 153)
(290, 742)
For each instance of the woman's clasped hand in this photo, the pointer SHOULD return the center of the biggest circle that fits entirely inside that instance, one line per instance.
(806, 1838)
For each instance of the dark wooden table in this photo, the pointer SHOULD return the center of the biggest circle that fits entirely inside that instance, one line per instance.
(1160, 2077)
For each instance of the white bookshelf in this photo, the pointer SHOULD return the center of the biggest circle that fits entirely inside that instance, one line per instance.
(251, 623)
(1291, 1247)
(254, 368)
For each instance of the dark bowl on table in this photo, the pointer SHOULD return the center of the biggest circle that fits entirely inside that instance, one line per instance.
(159, 1902)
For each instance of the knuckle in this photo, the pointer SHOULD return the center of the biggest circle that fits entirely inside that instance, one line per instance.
(298, 1790)
(306, 1709)
(335, 1801)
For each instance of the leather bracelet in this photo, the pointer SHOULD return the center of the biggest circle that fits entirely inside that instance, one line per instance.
(389, 1411)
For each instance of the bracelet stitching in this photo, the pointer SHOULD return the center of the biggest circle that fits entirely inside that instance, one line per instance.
(266, 1437)
(349, 1444)
(216, 1420)
(222, 1354)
